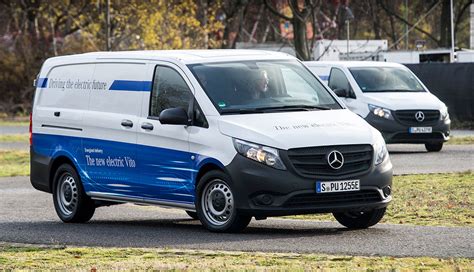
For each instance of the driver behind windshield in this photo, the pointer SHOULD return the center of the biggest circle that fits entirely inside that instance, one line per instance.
(259, 85)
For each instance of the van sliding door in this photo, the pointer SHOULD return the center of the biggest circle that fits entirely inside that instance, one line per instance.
(111, 127)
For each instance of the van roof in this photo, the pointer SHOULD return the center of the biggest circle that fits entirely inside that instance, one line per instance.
(349, 64)
(184, 56)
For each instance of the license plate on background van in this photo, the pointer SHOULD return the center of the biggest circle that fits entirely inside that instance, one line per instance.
(420, 129)
(337, 186)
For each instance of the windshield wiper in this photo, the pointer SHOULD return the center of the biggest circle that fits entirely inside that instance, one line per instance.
(241, 111)
(395, 91)
(294, 107)
(275, 108)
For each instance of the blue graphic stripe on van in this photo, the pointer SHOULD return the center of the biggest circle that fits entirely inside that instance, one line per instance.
(128, 169)
(130, 85)
(325, 78)
(42, 82)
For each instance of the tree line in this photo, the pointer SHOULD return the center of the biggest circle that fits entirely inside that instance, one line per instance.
(34, 30)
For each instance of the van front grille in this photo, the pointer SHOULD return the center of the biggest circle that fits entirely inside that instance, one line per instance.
(407, 117)
(313, 161)
(328, 199)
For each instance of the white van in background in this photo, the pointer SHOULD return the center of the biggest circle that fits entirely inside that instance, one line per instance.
(225, 135)
(390, 98)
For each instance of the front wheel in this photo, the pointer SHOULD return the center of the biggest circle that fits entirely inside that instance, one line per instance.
(215, 204)
(360, 220)
(434, 147)
(70, 201)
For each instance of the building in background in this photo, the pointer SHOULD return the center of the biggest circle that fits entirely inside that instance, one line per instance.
(329, 50)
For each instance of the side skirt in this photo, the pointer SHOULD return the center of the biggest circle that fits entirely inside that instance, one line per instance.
(142, 201)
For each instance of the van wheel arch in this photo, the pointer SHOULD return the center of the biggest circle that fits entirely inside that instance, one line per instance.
(55, 165)
(205, 169)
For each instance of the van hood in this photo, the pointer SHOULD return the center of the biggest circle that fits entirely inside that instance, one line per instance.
(404, 100)
(287, 130)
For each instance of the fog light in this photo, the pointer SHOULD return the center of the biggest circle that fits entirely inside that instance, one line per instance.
(387, 191)
(264, 199)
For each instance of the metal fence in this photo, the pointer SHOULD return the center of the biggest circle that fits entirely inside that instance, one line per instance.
(452, 83)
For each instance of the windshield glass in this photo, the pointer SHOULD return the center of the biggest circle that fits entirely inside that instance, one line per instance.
(262, 86)
(385, 79)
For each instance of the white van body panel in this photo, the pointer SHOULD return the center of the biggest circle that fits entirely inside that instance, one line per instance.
(298, 129)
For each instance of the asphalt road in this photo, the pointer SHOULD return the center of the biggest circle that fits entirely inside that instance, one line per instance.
(28, 216)
(13, 129)
(414, 159)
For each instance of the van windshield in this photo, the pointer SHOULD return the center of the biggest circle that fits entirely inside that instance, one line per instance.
(385, 79)
(262, 86)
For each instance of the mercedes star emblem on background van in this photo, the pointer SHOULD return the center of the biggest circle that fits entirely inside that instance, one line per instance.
(420, 116)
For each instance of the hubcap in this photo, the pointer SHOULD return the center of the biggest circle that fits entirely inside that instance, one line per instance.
(217, 202)
(67, 195)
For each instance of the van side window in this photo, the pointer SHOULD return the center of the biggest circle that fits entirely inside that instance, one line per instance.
(169, 91)
(338, 80)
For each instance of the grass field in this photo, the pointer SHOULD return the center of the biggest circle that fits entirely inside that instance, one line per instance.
(15, 138)
(78, 258)
(466, 140)
(14, 123)
(14, 163)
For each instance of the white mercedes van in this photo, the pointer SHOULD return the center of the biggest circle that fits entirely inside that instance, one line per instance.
(390, 98)
(225, 135)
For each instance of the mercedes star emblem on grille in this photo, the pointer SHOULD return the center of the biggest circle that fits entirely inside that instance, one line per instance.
(419, 116)
(335, 159)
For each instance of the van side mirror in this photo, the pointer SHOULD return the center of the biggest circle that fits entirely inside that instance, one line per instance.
(341, 92)
(174, 116)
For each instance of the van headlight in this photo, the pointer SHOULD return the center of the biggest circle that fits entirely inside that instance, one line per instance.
(380, 112)
(444, 113)
(380, 150)
(263, 154)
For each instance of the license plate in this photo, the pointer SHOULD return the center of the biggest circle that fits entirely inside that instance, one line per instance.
(337, 186)
(421, 130)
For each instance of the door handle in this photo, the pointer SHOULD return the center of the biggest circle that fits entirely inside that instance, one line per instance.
(147, 126)
(57, 113)
(127, 123)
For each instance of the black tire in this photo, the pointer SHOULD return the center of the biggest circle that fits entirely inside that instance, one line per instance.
(193, 215)
(360, 220)
(215, 187)
(434, 147)
(70, 201)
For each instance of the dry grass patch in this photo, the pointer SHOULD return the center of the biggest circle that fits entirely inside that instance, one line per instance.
(78, 258)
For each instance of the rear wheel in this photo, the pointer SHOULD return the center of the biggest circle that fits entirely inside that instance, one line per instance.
(70, 201)
(434, 147)
(360, 220)
(215, 204)
(193, 215)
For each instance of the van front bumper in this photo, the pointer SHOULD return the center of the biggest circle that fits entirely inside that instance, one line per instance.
(395, 132)
(261, 191)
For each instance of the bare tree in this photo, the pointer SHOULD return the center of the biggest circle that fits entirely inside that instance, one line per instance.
(302, 14)
(234, 11)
